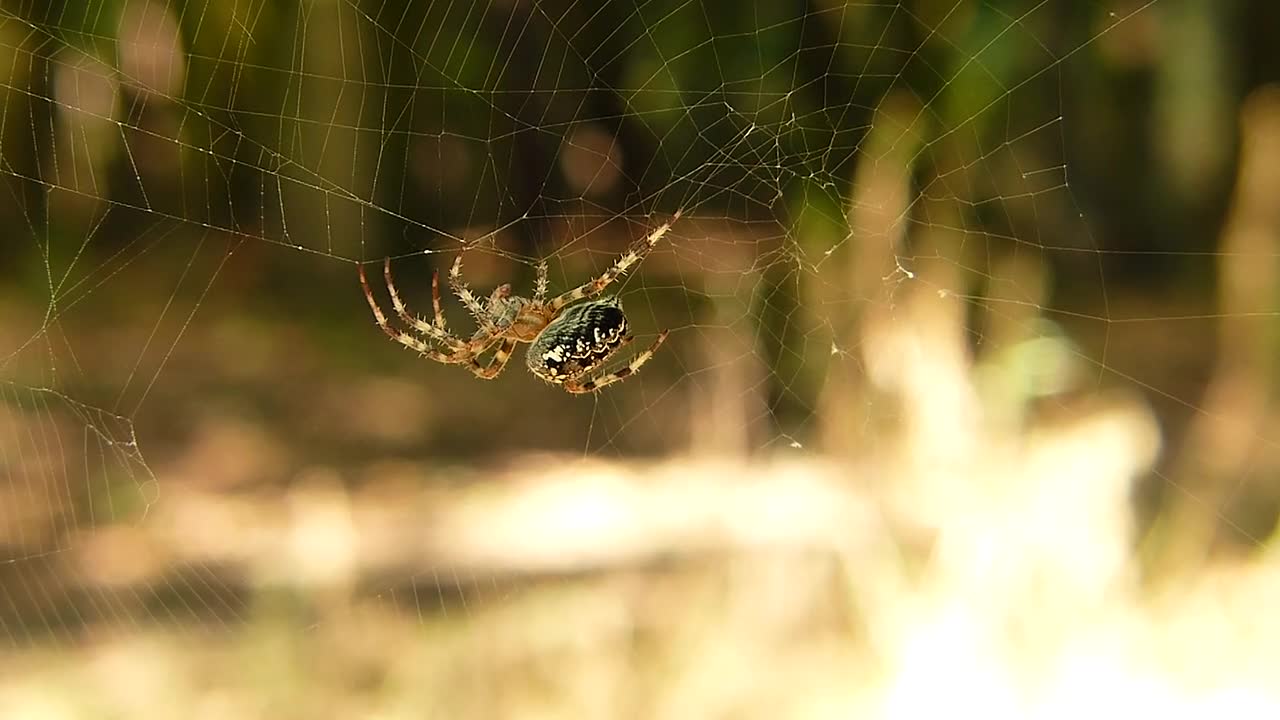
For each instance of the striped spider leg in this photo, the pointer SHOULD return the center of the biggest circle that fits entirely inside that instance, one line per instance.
(632, 256)
(462, 353)
(578, 386)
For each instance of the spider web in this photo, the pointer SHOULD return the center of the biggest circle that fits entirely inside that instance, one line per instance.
(896, 269)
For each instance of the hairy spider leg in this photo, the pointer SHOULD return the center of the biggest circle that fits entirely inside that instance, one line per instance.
(633, 255)
(400, 336)
(481, 339)
(470, 300)
(435, 299)
(541, 284)
(497, 362)
(464, 356)
(632, 367)
(435, 332)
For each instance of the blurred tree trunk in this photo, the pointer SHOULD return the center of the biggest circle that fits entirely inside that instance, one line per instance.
(26, 118)
(1219, 467)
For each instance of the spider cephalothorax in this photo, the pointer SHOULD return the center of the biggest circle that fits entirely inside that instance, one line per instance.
(568, 342)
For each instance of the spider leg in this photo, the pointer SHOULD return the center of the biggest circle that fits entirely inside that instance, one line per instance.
(470, 300)
(633, 255)
(435, 332)
(435, 299)
(499, 361)
(404, 338)
(540, 286)
(463, 353)
(578, 388)
(482, 339)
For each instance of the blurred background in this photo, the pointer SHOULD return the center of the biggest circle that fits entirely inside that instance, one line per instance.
(967, 403)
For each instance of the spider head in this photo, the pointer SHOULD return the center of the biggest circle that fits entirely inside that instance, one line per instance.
(503, 307)
(579, 340)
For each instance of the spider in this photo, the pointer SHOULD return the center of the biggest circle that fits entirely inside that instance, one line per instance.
(567, 342)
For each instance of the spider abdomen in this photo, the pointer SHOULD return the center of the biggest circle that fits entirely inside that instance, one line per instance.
(579, 340)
